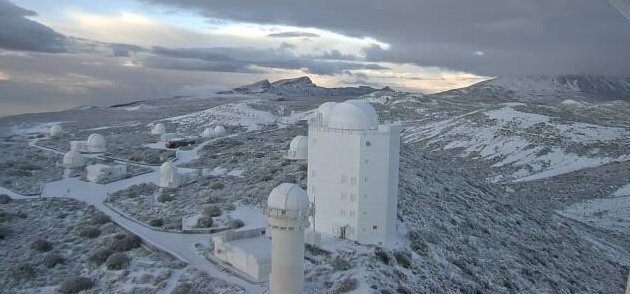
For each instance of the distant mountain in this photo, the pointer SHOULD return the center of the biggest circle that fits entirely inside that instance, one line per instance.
(300, 87)
(553, 88)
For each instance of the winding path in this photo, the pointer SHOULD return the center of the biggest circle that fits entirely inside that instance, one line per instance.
(179, 245)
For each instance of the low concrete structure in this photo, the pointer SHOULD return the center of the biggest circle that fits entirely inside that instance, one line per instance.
(249, 252)
(99, 173)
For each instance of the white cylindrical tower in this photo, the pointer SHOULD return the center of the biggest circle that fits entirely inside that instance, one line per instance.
(287, 216)
(73, 159)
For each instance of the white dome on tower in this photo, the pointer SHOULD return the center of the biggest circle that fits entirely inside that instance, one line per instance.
(207, 133)
(96, 143)
(298, 148)
(353, 115)
(219, 130)
(56, 130)
(288, 196)
(73, 158)
(325, 110)
(158, 129)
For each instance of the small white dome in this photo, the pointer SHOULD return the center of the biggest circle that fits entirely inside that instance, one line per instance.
(96, 143)
(56, 130)
(353, 115)
(298, 148)
(288, 197)
(218, 130)
(207, 133)
(73, 158)
(158, 129)
(325, 110)
(169, 175)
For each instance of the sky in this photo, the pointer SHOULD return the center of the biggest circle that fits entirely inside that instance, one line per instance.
(60, 54)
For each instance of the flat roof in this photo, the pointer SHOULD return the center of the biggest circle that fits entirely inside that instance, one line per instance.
(260, 247)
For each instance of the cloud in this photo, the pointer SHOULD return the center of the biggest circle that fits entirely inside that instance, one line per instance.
(524, 36)
(293, 35)
(17, 32)
(4, 76)
(246, 59)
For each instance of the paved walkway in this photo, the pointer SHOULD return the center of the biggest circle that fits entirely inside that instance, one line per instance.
(180, 245)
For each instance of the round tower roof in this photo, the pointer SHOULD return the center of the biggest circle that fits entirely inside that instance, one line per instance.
(96, 140)
(56, 130)
(207, 132)
(219, 129)
(299, 143)
(73, 157)
(353, 115)
(325, 110)
(288, 196)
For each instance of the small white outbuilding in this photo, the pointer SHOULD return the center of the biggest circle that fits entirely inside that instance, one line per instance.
(73, 159)
(208, 133)
(99, 173)
(298, 148)
(169, 176)
(56, 131)
(249, 252)
(219, 130)
(158, 129)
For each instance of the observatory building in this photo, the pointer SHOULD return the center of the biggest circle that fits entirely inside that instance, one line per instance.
(219, 130)
(353, 173)
(56, 131)
(169, 176)
(298, 148)
(72, 159)
(158, 129)
(94, 144)
(208, 133)
(288, 213)
(99, 173)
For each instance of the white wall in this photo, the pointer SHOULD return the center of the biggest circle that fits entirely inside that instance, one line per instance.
(354, 184)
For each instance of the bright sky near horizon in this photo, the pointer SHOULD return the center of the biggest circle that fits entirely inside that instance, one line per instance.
(59, 54)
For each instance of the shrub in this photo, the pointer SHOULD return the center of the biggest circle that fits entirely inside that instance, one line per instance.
(75, 285)
(124, 242)
(4, 199)
(217, 186)
(382, 255)
(340, 264)
(22, 272)
(163, 197)
(403, 258)
(156, 222)
(4, 233)
(417, 243)
(100, 218)
(89, 232)
(184, 288)
(117, 261)
(213, 199)
(236, 223)
(204, 222)
(346, 285)
(41, 245)
(53, 259)
(100, 256)
(211, 211)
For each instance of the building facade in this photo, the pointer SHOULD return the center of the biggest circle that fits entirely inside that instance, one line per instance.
(353, 173)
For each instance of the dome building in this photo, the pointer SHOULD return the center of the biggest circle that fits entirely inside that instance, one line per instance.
(158, 129)
(353, 173)
(298, 148)
(287, 216)
(73, 159)
(96, 143)
(208, 133)
(219, 130)
(169, 175)
(56, 131)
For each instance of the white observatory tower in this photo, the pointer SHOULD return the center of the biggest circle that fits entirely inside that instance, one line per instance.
(353, 173)
(287, 216)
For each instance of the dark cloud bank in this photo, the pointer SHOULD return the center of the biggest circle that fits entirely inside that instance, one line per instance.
(516, 36)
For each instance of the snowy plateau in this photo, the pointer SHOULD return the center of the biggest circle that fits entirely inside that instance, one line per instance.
(511, 185)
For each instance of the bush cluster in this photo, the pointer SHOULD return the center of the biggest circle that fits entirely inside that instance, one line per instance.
(236, 223)
(41, 245)
(4, 199)
(100, 218)
(124, 242)
(22, 272)
(204, 222)
(89, 232)
(211, 211)
(117, 261)
(217, 186)
(75, 285)
(156, 222)
(53, 259)
(163, 197)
